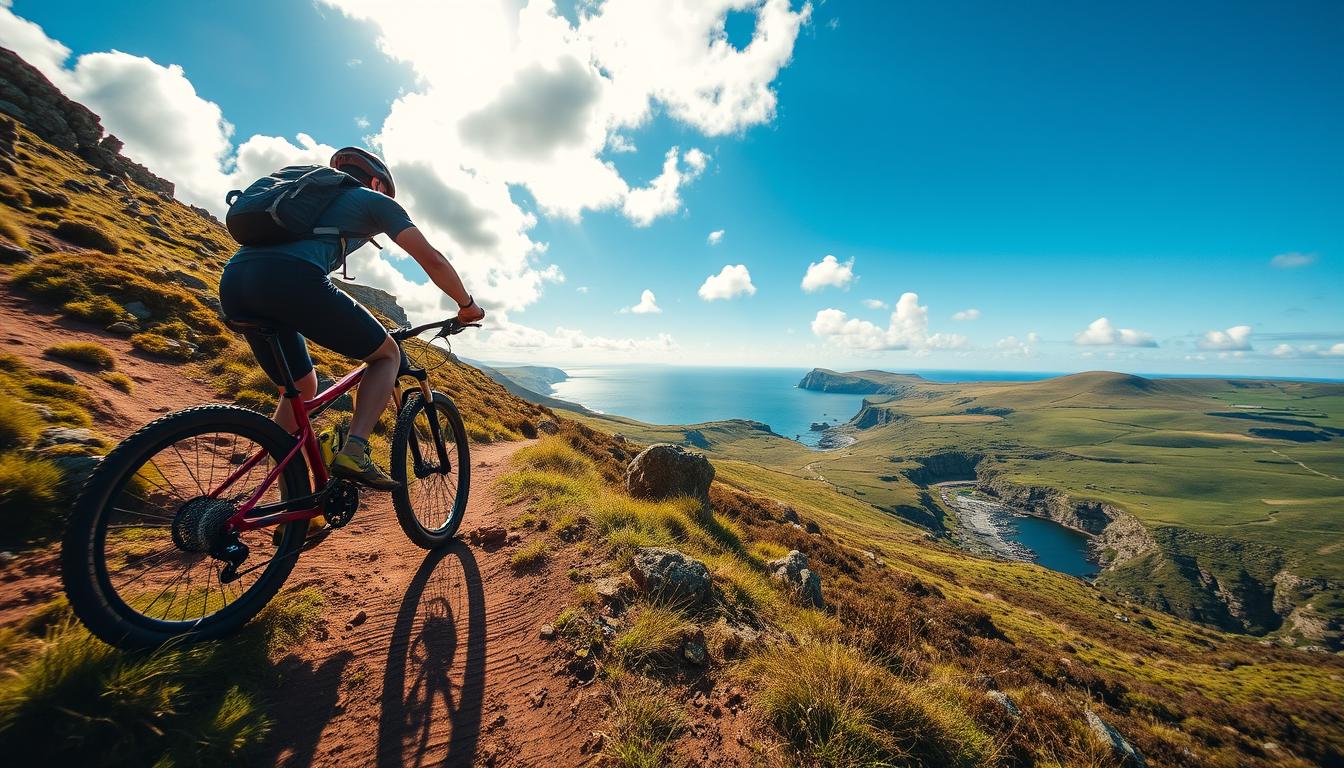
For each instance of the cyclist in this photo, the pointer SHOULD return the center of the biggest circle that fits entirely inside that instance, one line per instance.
(288, 285)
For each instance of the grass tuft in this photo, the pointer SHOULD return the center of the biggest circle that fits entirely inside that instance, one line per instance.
(644, 724)
(19, 423)
(554, 455)
(530, 556)
(118, 380)
(653, 639)
(160, 346)
(837, 708)
(87, 352)
(86, 235)
(29, 496)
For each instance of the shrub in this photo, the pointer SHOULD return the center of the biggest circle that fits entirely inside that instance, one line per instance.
(489, 431)
(87, 352)
(19, 424)
(643, 727)
(86, 235)
(839, 709)
(118, 380)
(161, 346)
(530, 555)
(29, 496)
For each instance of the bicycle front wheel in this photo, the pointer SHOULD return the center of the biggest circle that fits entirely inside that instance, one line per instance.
(432, 498)
(139, 558)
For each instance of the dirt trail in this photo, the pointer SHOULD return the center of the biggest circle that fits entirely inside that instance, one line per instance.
(444, 667)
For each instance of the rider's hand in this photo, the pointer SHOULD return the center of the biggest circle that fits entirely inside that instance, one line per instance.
(472, 313)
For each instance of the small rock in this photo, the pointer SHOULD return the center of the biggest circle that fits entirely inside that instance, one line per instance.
(359, 618)
(75, 470)
(122, 328)
(513, 538)
(694, 652)
(499, 721)
(67, 436)
(1001, 698)
(811, 527)
(671, 575)
(74, 185)
(46, 413)
(118, 184)
(1123, 750)
(188, 279)
(611, 589)
(547, 631)
(789, 513)
(548, 427)
(7, 557)
(793, 569)
(42, 198)
(488, 536)
(138, 310)
(593, 744)
(538, 698)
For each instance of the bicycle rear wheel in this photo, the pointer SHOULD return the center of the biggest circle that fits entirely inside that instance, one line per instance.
(136, 559)
(432, 498)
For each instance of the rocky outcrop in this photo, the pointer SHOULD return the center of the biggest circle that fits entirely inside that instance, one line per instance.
(1121, 749)
(873, 415)
(666, 574)
(667, 471)
(29, 97)
(860, 382)
(792, 569)
(375, 299)
(944, 467)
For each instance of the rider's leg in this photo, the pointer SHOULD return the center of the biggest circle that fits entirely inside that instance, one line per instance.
(284, 412)
(375, 389)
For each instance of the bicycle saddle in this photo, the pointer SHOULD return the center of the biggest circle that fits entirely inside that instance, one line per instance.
(243, 324)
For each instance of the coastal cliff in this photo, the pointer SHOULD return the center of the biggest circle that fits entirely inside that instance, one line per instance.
(859, 382)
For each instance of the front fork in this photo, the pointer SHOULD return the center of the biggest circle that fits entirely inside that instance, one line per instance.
(435, 431)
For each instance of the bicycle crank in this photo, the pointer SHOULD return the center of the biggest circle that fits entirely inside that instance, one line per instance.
(342, 499)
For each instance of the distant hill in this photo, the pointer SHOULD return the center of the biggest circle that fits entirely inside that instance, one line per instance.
(538, 378)
(527, 393)
(860, 382)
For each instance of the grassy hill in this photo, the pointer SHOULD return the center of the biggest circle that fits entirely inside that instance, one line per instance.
(909, 663)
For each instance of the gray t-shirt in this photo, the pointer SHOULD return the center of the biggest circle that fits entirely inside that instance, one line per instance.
(360, 212)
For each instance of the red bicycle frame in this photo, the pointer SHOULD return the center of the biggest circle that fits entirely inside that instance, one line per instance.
(243, 519)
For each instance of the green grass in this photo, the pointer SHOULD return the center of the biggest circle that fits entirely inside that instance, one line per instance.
(530, 556)
(643, 727)
(87, 352)
(653, 637)
(70, 699)
(837, 708)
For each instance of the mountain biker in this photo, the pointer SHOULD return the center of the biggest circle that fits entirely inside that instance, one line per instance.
(288, 285)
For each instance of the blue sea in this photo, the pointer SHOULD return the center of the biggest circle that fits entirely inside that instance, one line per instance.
(658, 394)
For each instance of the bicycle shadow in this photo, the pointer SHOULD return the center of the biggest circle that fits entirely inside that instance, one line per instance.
(435, 672)
(295, 744)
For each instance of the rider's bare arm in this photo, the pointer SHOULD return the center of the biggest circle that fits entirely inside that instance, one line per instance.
(413, 241)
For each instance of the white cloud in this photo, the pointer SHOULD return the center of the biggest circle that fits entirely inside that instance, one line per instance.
(1292, 260)
(829, 272)
(1012, 346)
(967, 314)
(732, 280)
(1309, 350)
(648, 305)
(1234, 338)
(352, 63)
(520, 337)
(908, 329)
(581, 289)
(362, 123)
(874, 303)
(715, 237)
(29, 41)
(661, 196)
(1102, 333)
(620, 144)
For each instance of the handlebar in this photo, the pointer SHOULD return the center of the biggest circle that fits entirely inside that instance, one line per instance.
(449, 327)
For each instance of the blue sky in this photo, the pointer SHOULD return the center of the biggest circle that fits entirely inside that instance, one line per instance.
(1047, 164)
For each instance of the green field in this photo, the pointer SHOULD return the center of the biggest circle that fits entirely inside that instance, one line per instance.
(1238, 481)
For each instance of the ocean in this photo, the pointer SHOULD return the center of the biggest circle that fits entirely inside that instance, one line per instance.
(658, 394)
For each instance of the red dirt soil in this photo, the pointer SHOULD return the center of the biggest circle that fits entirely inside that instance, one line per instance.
(420, 658)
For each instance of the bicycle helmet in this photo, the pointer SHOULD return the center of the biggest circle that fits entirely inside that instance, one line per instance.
(367, 166)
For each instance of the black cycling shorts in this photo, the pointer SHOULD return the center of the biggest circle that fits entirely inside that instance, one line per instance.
(297, 298)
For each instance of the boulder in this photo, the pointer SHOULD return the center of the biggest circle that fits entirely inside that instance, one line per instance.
(790, 514)
(670, 575)
(75, 185)
(1124, 752)
(548, 427)
(75, 470)
(67, 436)
(138, 310)
(122, 328)
(792, 569)
(667, 471)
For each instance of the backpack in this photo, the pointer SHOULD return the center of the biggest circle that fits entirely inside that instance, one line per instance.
(284, 207)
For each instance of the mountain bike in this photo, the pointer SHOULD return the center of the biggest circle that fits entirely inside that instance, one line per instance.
(191, 525)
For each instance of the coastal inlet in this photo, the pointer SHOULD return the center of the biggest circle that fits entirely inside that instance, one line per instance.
(987, 526)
